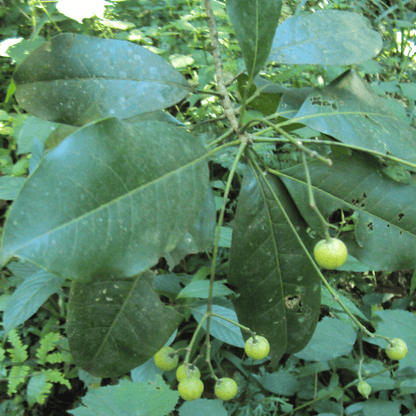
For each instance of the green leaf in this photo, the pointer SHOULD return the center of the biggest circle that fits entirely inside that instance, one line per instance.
(33, 128)
(129, 399)
(326, 37)
(199, 236)
(281, 383)
(20, 50)
(385, 228)
(378, 407)
(203, 407)
(75, 79)
(200, 290)
(10, 187)
(220, 328)
(328, 300)
(37, 388)
(115, 324)
(146, 372)
(114, 198)
(397, 324)
(254, 22)
(29, 297)
(333, 338)
(277, 300)
(350, 111)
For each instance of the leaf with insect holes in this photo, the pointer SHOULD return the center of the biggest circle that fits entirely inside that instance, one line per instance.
(385, 225)
(277, 300)
(116, 324)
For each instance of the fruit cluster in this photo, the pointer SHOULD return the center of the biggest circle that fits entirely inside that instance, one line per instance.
(190, 385)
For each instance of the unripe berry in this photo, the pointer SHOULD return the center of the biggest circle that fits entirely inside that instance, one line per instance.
(191, 388)
(166, 359)
(330, 254)
(193, 372)
(226, 388)
(364, 389)
(257, 347)
(397, 350)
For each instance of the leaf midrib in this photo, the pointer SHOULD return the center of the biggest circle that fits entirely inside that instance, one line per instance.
(115, 200)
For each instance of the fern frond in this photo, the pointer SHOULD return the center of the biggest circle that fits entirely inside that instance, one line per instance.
(2, 354)
(55, 376)
(16, 377)
(45, 393)
(54, 358)
(47, 344)
(18, 353)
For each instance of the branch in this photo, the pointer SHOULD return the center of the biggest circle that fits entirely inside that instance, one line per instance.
(216, 53)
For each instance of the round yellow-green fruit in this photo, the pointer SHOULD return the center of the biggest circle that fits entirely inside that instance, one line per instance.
(364, 389)
(193, 372)
(226, 388)
(191, 388)
(257, 347)
(330, 254)
(166, 359)
(398, 350)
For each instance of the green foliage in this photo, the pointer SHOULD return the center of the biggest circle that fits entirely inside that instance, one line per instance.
(39, 379)
(130, 398)
(135, 152)
(17, 376)
(47, 344)
(18, 353)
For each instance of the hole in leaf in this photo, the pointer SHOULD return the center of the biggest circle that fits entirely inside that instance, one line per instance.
(401, 215)
(291, 301)
(370, 226)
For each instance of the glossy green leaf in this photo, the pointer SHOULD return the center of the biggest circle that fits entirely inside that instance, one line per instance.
(10, 187)
(320, 348)
(31, 294)
(220, 328)
(385, 229)
(129, 399)
(397, 324)
(199, 236)
(326, 37)
(115, 324)
(277, 300)
(350, 111)
(75, 79)
(200, 290)
(282, 382)
(33, 128)
(254, 22)
(112, 198)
